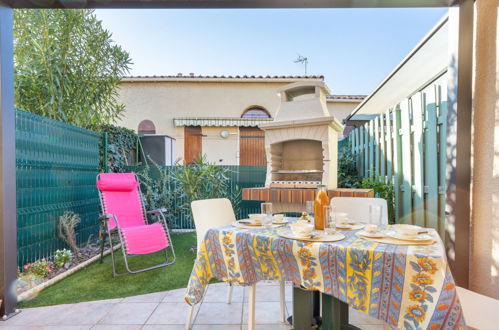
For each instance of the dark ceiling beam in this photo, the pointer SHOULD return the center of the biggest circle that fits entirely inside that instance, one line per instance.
(227, 3)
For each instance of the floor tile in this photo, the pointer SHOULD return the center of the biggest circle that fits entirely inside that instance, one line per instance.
(219, 293)
(151, 297)
(219, 313)
(216, 327)
(46, 327)
(177, 295)
(265, 313)
(170, 313)
(163, 327)
(49, 315)
(116, 327)
(86, 313)
(129, 313)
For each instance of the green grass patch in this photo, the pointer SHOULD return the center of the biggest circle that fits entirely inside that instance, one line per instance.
(96, 282)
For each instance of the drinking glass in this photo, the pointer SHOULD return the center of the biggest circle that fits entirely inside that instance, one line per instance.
(267, 210)
(329, 223)
(309, 208)
(374, 214)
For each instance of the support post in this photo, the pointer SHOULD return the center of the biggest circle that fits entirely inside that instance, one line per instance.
(459, 123)
(8, 230)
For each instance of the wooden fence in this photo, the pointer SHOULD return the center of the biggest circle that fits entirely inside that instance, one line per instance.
(406, 146)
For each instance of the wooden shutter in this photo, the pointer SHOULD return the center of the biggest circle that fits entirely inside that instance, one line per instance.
(192, 143)
(252, 146)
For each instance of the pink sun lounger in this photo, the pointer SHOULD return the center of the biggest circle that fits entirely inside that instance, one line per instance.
(123, 212)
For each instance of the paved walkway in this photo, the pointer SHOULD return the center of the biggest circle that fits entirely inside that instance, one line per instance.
(167, 310)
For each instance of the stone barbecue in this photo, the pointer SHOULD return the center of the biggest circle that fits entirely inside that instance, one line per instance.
(301, 143)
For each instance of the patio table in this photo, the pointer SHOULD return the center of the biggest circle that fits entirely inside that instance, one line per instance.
(408, 287)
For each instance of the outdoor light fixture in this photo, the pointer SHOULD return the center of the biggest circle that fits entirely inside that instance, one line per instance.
(225, 134)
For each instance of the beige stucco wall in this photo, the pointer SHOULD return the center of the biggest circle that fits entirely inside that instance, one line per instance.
(161, 101)
(341, 110)
(484, 270)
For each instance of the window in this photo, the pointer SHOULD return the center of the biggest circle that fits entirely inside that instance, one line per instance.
(146, 127)
(256, 112)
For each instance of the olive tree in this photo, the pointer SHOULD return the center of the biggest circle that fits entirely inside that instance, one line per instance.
(67, 67)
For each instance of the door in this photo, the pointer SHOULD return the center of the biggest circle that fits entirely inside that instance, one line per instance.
(252, 146)
(192, 143)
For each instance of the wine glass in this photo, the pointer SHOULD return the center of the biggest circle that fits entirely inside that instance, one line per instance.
(267, 210)
(309, 208)
(374, 214)
(329, 219)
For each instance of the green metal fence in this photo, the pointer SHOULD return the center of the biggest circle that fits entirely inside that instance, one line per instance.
(240, 177)
(56, 168)
(406, 146)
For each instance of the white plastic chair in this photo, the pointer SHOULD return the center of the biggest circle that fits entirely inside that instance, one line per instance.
(358, 208)
(209, 213)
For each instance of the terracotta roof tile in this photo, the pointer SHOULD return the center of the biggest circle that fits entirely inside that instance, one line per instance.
(346, 97)
(228, 77)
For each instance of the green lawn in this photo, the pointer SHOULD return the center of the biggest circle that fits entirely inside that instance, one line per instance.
(96, 281)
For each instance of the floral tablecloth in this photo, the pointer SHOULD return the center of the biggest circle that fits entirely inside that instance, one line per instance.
(409, 287)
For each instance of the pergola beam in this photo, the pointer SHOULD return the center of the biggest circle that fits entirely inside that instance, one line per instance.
(228, 3)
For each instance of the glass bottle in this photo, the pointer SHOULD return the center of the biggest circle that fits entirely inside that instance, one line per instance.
(321, 200)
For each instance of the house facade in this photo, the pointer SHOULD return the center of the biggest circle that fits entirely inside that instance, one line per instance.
(213, 115)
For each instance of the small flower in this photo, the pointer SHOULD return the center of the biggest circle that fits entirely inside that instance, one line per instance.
(25, 267)
(309, 274)
(304, 253)
(422, 279)
(228, 252)
(428, 265)
(417, 312)
(417, 295)
(231, 264)
(227, 240)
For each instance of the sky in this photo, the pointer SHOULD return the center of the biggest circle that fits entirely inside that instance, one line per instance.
(354, 49)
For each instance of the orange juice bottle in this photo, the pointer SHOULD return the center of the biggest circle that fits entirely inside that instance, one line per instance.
(321, 200)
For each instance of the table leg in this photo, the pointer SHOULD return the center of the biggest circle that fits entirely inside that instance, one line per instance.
(335, 314)
(302, 309)
(251, 307)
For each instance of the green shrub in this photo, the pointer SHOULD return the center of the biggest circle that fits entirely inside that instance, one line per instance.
(40, 268)
(121, 143)
(62, 258)
(348, 176)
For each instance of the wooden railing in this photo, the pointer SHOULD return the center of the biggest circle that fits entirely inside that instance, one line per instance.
(406, 147)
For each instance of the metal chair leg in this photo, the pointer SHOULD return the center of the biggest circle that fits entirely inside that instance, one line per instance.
(102, 241)
(251, 307)
(282, 301)
(229, 294)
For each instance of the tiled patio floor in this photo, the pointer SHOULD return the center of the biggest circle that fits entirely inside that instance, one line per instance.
(167, 310)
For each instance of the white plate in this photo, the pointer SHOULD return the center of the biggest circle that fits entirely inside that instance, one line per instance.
(322, 237)
(349, 227)
(418, 238)
(251, 226)
(364, 233)
(282, 222)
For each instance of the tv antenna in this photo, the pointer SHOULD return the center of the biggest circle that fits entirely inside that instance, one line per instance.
(303, 60)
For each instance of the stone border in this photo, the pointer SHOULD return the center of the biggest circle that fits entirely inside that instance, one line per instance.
(37, 289)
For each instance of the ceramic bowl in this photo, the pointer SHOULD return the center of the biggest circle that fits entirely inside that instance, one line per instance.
(257, 217)
(302, 229)
(279, 217)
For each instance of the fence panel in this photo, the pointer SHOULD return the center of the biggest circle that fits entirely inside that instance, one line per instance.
(56, 166)
(406, 147)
